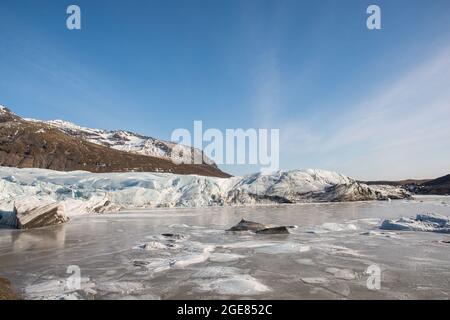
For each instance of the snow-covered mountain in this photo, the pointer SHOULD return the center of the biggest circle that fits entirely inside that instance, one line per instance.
(84, 192)
(6, 115)
(128, 142)
(134, 171)
(61, 145)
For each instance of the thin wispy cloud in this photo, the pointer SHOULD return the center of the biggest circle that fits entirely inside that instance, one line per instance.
(344, 98)
(266, 98)
(398, 121)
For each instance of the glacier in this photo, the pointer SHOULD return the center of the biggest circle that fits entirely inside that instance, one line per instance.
(84, 192)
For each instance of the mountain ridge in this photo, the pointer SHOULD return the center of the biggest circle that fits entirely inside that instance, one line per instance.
(438, 186)
(30, 143)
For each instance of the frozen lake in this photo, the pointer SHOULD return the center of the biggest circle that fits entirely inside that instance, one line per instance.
(326, 257)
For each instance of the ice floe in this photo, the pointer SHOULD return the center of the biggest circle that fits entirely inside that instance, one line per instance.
(225, 257)
(60, 289)
(344, 274)
(429, 222)
(287, 247)
(154, 245)
(189, 253)
(233, 284)
(248, 244)
(333, 227)
(305, 261)
(216, 272)
(337, 250)
(122, 287)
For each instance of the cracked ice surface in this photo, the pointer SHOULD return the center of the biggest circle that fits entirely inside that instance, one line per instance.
(185, 253)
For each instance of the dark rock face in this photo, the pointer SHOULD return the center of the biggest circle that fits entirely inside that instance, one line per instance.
(8, 219)
(28, 144)
(245, 225)
(6, 290)
(359, 192)
(275, 230)
(30, 216)
(259, 228)
(349, 192)
(173, 236)
(6, 115)
(438, 186)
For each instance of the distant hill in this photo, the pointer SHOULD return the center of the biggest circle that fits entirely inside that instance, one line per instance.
(442, 181)
(398, 183)
(63, 146)
(438, 186)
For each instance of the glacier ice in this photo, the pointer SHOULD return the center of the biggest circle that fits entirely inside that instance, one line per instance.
(430, 222)
(85, 192)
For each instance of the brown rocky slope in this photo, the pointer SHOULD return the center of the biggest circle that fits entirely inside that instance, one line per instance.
(28, 144)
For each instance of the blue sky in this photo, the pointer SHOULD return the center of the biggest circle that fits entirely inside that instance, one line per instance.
(370, 104)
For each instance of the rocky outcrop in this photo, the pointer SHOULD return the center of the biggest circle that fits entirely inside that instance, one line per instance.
(36, 144)
(259, 228)
(301, 186)
(439, 186)
(347, 192)
(130, 142)
(6, 115)
(356, 191)
(352, 191)
(6, 290)
(274, 230)
(30, 215)
(245, 225)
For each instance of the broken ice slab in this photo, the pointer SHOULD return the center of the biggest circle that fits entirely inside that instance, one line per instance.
(245, 225)
(428, 222)
(36, 213)
(259, 228)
